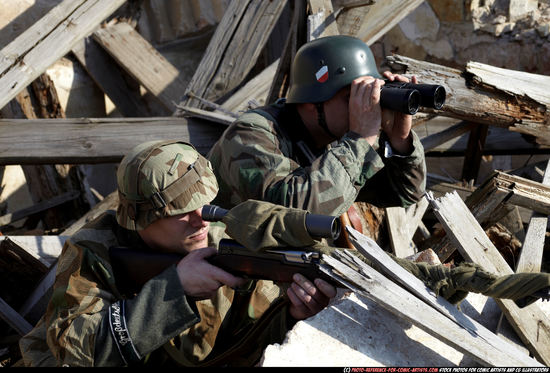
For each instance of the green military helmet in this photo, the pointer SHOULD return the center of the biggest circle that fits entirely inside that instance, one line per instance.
(323, 66)
(157, 179)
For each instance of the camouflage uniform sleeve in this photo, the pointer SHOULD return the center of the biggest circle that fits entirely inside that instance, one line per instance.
(253, 160)
(82, 321)
(402, 181)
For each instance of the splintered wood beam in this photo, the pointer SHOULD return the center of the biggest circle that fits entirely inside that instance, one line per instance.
(233, 49)
(143, 62)
(112, 79)
(530, 323)
(295, 38)
(487, 202)
(38, 207)
(13, 319)
(369, 20)
(472, 158)
(530, 259)
(322, 21)
(416, 303)
(99, 140)
(49, 39)
(472, 97)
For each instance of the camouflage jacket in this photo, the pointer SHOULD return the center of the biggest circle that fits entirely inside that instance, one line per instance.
(88, 322)
(262, 155)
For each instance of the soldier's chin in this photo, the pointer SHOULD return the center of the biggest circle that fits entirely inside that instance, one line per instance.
(194, 243)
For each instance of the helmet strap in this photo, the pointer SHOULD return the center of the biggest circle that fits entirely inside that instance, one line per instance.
(321, 119)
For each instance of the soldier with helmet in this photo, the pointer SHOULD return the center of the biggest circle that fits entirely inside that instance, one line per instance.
(328, 144)
(191, 314)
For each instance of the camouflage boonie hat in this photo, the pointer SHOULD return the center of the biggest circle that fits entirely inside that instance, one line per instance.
(157, 179)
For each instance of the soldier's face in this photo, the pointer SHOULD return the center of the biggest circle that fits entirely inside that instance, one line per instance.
(337, 112)
(178, 234)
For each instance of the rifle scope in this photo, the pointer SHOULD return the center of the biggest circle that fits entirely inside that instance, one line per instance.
(318, 226)
(408, 97)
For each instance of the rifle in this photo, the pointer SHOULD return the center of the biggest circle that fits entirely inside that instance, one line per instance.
(408, 97)
(133, 267)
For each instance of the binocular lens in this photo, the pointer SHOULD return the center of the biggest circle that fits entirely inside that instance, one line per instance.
(439, 97)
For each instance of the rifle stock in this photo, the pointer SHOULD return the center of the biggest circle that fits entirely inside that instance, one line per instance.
(133, 268)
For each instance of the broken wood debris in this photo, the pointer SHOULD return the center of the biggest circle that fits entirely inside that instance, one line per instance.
(156, 101)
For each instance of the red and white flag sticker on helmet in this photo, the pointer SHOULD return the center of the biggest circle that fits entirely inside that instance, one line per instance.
(322, 74)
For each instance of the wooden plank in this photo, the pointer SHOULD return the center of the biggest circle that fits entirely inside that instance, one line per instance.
(296, 37)
(234, 48)
(370, 20)
(142, 61)
(38, 207)
(100, 140)
(531, 323)
(531, 255)
(322, 21)
(72, 22)
(419, 305)
(532, 251)
(112, 79)
(499, 141)
(415, 214)
(25, 42)
(472, 159)
(524, 192)
(517, 82)
(45, 182)
(45, 249)
(254, 92)
(434, 140)
(470, 100)
(211, 116)
(398, 231)
(13, 319)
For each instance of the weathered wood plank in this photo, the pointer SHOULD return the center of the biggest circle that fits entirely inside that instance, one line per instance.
(398, 231)
(531, 323)
(112, 79)
(419, 305)
(39, 207)
(23, 66)
(142, 61)
(98, 140)
(44, 249)
(13, 319)
(256, 90)
(322, 21)
(434, 140)
(25, 42)
(471, 100)
(234, 48)
(531, 255)
(369, 20)
(532, 251)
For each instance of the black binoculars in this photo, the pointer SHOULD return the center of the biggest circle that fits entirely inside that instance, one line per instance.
(408, 97)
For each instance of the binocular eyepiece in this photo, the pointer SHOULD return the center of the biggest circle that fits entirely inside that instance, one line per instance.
(318, 226)
(408, 97)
